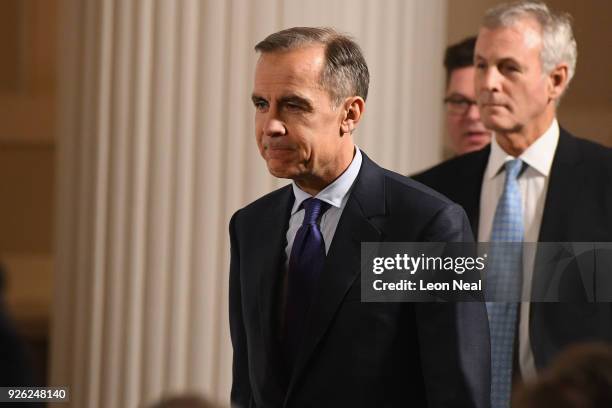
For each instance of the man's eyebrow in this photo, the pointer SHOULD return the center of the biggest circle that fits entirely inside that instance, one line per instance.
(297, 99)
(304, 103)
(257, 98)
(499, 61)
(457, 95)
(509, 60)
(287, 99)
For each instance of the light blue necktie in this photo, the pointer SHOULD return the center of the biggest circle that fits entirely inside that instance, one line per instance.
(504, 282)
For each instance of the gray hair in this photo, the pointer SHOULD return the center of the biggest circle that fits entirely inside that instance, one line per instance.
(345, 72)
(558, 43)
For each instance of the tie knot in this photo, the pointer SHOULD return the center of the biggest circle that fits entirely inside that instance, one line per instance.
(513, 168)
(314, 209)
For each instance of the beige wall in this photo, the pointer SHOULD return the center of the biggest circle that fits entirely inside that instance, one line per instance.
(27, 157)
(155, 154)
(26, 188)
(586, 109)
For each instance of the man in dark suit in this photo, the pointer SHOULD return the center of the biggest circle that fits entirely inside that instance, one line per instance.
(300, 334)
(525, 57)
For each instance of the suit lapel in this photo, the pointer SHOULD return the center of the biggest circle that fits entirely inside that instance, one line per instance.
(565, 179)
(269, 272)
(342, 264)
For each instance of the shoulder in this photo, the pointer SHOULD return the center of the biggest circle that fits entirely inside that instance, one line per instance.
(396, 186)
(594, 156)
(262, 206)
(590, 149)
(415, 212)
(403, 189)
(403, 196)
(451, 170)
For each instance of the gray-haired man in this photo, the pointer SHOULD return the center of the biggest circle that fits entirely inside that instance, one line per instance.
(561, 186)
(301, 335)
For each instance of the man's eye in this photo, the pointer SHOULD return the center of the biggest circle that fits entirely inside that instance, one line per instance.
(260, 105)
(293, 107)
(458, 101)
(481, 65)
(510, 68)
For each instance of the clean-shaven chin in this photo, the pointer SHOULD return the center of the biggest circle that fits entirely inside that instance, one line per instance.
(495, 116)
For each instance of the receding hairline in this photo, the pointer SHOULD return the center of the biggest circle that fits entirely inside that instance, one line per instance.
(526, 26)
(525, 19)
(279, 44)
(304, 47)
(344, 72)
(320, 59)
(298, 37)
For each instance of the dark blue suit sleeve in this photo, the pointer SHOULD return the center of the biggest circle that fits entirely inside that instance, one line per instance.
(454, 337)
(450, 224)
(241, 386)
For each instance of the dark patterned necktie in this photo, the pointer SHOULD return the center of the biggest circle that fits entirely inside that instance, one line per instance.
(305, 265)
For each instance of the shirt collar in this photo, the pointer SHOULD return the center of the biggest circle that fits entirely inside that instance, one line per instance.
(538, 156)
(335, 194)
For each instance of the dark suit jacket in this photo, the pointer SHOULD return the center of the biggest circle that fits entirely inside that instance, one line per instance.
(354, 354)
(578, 208)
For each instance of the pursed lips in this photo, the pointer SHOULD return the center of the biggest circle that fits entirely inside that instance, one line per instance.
(476, 133)
(493, 105)
(278, 147)
(279, 151)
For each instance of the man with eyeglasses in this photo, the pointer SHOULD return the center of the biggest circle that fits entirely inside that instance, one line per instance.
(466, 131)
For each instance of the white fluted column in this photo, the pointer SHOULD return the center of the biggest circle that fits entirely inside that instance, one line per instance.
(156, 151)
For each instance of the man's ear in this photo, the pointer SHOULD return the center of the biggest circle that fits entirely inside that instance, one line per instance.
(557, 81)
(353, 109)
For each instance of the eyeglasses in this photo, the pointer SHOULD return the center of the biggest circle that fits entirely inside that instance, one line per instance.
(457, 105)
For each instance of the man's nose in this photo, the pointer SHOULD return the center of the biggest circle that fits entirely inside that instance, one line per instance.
(489, 80)
(273, 126)
(473, 113)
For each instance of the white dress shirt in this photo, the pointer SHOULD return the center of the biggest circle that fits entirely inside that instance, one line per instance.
(533, 184)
